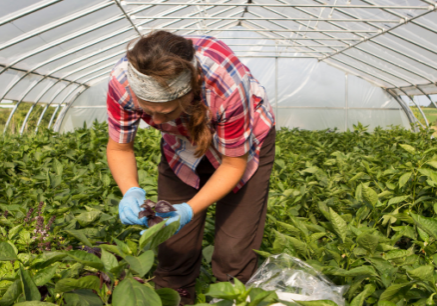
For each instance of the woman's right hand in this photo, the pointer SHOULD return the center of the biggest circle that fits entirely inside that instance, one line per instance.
(129, 206)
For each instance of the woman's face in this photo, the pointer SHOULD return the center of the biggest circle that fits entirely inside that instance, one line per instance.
(166, 111)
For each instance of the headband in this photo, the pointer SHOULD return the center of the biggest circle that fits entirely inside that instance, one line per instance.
(148, 89)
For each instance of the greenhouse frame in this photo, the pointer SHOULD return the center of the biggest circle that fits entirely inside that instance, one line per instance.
(324, 64)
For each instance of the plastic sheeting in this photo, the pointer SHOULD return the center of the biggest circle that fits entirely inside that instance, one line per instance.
(311, 95)
(77, 42)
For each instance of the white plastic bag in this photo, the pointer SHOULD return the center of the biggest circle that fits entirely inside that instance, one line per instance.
(295, 280)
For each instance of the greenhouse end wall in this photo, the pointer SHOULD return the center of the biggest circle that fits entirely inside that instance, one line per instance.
(311, 95)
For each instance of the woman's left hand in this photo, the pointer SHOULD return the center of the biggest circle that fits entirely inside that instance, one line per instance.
(183, 213)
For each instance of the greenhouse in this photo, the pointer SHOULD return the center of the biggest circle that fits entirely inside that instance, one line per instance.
(327, 155)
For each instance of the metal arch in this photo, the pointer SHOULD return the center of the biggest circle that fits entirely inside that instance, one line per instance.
(428, 96)
(49, 75)
(60, 41)
(43, 92)
(62, 116)
(270, 19)
(417, 105)
(48, 105)
(412, 21)
(128, 18)
(403, 54)
(55, 24)
(288, 5)
(353, 16)
(53, 71)
(92, 43)
(426, 121)
(407, 110)
(379, 34)
(27, 10)
(366, 72)
(51, 86)
(77, 34)
(378, 68)
(381, 44)
(22, 98)
(60, 104)
(414, 43)
(75, 50)
(394, 64)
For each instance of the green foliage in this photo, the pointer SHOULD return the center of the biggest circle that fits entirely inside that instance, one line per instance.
(359, 206)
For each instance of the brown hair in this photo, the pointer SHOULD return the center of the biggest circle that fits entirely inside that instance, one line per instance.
(163, 55)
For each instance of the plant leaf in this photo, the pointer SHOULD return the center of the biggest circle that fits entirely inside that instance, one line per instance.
(69, 284)
(368, 241)
(141, 264)
(88, 217)
(43, 276)
(169, 297)
(359, 299)
(397, 200)
(149, 234)
(79, 236)
(429, 225)
(7, 252)
(370, 195)
(131, 293)
(338, 224)
(109, 261)
(30, 290)
(86, 259)
(404, 179)
(224, 290)
(408, 148)
(395, 290)
(12, 293)
(82, 297)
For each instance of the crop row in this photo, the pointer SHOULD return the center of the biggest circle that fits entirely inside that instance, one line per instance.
(358, 206)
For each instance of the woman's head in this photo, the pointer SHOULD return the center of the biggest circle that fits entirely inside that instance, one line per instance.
(164, 76)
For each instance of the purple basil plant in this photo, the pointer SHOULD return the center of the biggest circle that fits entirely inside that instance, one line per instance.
(151, 208)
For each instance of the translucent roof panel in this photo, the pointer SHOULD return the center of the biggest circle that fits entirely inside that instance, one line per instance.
(47, 45)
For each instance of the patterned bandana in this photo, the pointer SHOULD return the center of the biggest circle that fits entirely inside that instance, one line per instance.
(148, 89)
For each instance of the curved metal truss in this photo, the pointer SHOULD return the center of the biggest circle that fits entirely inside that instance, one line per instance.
(73, 43)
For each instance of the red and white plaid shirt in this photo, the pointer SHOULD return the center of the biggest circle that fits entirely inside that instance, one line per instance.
(241, 115)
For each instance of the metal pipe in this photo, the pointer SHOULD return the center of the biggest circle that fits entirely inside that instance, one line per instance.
(27, 10)
(394, 64)
(12, 85)
(418, 106)
(407, 110)
(55, 24)
(271, 19)
(52, 117)
(288, 38)
(398, 7)
(271, 30)
(62, 115)
(379, 33)
(128, 17)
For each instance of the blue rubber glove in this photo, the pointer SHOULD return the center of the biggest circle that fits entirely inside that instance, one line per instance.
(129, 206)
(183, 213)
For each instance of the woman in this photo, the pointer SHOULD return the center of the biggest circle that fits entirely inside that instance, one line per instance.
(217, 147)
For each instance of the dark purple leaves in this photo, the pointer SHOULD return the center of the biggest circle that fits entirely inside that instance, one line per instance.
(164, 207)
(154, 220)
(150, 210)
(148, 203)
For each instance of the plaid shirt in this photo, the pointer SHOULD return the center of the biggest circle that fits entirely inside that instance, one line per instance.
(241, 115)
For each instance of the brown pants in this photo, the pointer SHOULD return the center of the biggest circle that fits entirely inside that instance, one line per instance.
(239, 223)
